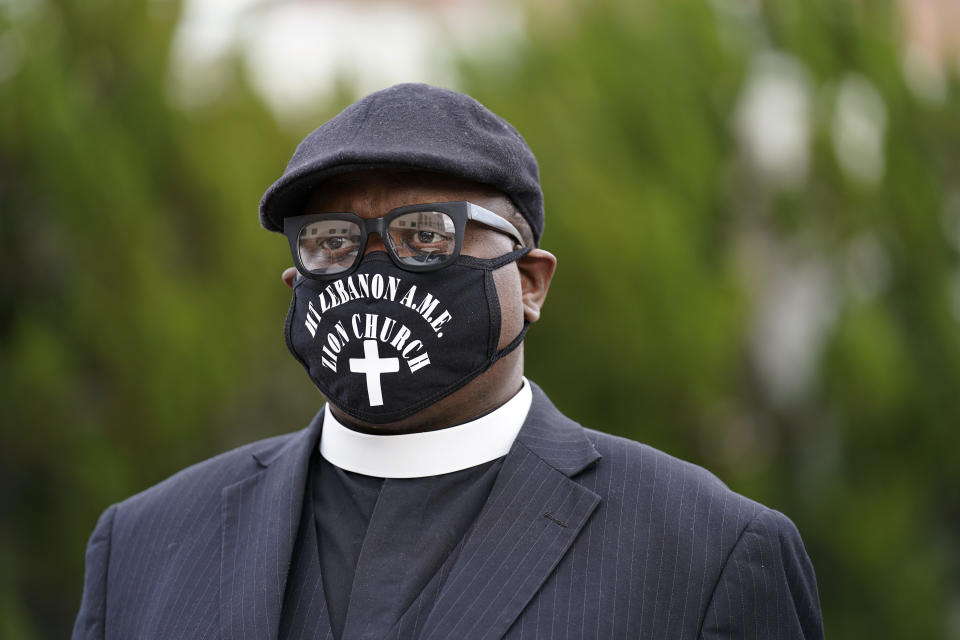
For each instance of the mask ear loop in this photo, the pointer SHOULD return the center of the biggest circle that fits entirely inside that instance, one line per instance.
(496, 263)
(513, 343)
(493, 263)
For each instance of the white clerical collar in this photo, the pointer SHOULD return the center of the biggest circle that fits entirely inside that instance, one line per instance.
(431, 453)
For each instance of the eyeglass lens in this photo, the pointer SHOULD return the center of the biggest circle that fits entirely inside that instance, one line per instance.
(416, 238)
(329, 246)
(422, 237)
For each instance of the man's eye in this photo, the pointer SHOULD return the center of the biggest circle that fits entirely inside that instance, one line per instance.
(428, 240)
(335, 243)
(429, 237)
(429, 243)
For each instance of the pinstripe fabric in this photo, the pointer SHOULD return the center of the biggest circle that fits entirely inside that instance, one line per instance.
(304, 615)
(203, 554)
(584, 535)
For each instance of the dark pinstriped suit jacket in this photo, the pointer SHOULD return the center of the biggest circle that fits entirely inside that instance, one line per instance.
(584, 535)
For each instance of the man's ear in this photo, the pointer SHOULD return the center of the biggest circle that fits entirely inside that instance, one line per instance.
(289, 275)
(536, 272)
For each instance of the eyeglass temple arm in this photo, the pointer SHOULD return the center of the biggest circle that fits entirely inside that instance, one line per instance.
(491, 219)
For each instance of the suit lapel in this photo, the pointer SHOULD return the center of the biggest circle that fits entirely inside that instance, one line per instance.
(534, 513)
(260, 519)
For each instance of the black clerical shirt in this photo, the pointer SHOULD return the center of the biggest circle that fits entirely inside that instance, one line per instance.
(380, 541)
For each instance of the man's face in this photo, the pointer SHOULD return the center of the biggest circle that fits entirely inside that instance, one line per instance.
(521, 286)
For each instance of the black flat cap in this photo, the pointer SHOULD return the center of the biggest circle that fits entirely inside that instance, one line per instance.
(411, 126)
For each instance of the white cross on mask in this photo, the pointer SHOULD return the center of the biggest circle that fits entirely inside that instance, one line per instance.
(373, 366)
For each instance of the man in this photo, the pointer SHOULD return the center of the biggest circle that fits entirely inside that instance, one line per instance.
(439, 494)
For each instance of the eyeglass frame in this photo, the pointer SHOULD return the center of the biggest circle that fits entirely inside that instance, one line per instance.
(460, 211)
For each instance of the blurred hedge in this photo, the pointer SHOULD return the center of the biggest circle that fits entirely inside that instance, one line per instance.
(140, 324)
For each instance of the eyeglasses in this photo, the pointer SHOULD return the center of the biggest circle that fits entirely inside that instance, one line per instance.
(418, 237)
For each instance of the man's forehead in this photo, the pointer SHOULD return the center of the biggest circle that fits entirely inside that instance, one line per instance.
(420, 185)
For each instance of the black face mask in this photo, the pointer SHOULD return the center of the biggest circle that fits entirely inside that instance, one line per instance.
(383, 343)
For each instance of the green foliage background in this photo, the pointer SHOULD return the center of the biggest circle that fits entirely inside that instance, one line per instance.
(141, 309)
